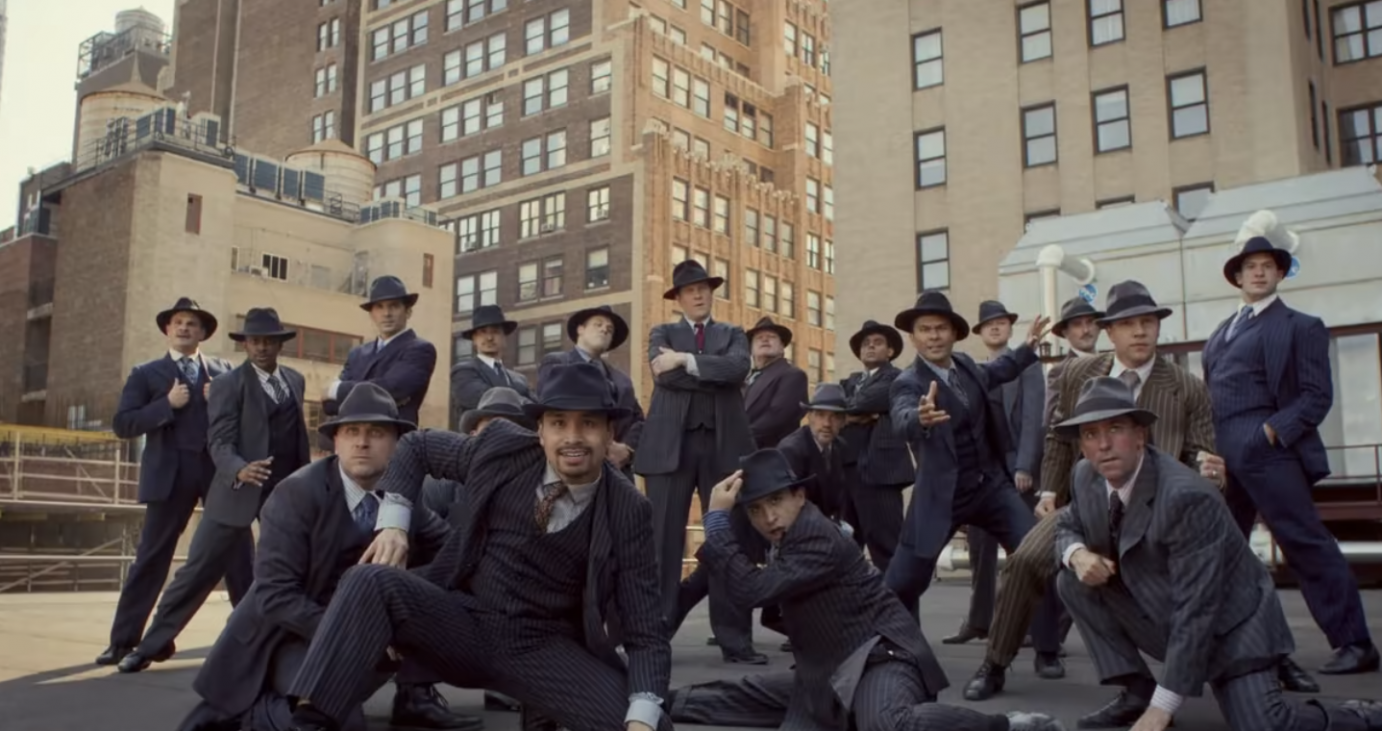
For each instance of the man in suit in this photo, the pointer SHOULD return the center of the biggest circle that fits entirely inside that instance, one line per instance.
(314, 525)
(472, 376)
(774, 387)
(1271, 383)
(165, 401)
(516, 601)
(1021, 402)
(398, 360)
(1155, 567)
(1079, 327)
(696, 431)
(500, 402)
(882, 462)
(861, 661)
(816, 449)
(257, 437)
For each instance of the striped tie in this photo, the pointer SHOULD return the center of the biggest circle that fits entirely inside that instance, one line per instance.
(1243, 316)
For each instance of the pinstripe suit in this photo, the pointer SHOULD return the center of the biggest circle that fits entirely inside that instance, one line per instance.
(433, 616)
(1184, 427)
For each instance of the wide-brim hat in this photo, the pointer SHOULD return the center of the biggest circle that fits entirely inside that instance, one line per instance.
(766, 324)
(932, 302)
(578, 387)
(894, 338)
(1262, 233)
(367, 403)
(388, 288)
(828, 397)
(990, 310)
(1130, 299)
(690, 272)
(1101, 399)
(262, 322)
(488, 316)
(187, 304)
(499, 402)
(1255, 245)
(621, 328)
(1073, 309)
(765, 472)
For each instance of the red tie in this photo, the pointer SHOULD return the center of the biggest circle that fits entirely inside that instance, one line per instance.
(700, 337)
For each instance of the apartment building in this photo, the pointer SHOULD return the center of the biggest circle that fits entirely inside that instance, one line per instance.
(961, 123)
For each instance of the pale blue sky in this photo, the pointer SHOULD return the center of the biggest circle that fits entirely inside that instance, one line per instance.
(37, 96)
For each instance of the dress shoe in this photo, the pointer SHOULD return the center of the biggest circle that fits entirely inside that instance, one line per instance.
(746, 657)
(500, 702)
(712, 641)
(1369, 711)
(1294, 678)
(531, 720)
(786, 646)
(1048, 666)
(1025, 721)
(987, 682)
(113, 655)
(137, 661)
(1360, 657)
(966, 634)
(420, 706)
(1122, 712)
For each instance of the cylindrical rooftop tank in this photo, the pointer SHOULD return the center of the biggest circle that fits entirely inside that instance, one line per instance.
(148, 30)
(347, 172)
(100, 108)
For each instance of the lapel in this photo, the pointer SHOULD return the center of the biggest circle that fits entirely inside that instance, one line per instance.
(335, 529)
(1276, 326)
(293, 386)
(254, 403)
(1138, 514)
(1162, 380)
(388, 353)
(488, 374)
(682, 337)
(1095, 513)
(600, 549)
(760, 385)
(714, 337)
(169, 369)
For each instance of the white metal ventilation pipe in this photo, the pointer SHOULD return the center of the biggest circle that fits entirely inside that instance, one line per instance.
(1052, 259)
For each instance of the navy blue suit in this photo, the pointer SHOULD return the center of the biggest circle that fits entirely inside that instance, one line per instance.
(403, 368)
(1275, 371)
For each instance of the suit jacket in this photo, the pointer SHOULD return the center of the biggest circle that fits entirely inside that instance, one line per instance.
(929, 520)
(773, 402)
(1186, 565)
(723, 366)
(1184, 423)
(239, 434)
(627, 430)
(622, 566)
(470, 378)
(835, 610)
(403, 368)
(307, 539)
(879, 450)
(1052, 380)
(829, 491)
(1023, 402)
(1296, 353)
(144, 411)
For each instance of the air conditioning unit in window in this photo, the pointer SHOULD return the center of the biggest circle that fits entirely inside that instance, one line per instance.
(492, 97)
(548, 228)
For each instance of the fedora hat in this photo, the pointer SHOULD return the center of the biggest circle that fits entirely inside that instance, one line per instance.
(990, 310)
(387, 288)
(1101, 399)
(187, 304)
(766, 471)
(488, 316)
(367, 403)
(499, 402)
(1074, 308)
(766, 324)
(1262, 233)
(262, 322)
(932, 302)
(621, 328)
(687, 273)
(871, 327)
(1130, 299)
(574, 387)
(828, 397)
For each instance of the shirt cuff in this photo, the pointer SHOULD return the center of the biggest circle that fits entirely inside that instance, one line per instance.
(691, 366)
(1069, 552)
(1046, 494)
(331, 392)
(1166, 700)
(716, 521)
(395, 512)
(644, 708)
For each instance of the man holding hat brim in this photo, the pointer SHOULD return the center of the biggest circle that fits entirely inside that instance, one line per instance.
(1079, 327)
(553, 539)
(1269, 376)
(775, 386)
(1156, 567)
(257, 436)
(165, 401)
(860, 660)
(484, 368)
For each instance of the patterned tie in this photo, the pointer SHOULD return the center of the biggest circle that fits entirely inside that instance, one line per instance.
(367, 512)
(1115, 520)
(1132, 379)
(1243, 316)
(550, 495)
(700, 337)
(189, 369)
(958, 388)
(276, 390)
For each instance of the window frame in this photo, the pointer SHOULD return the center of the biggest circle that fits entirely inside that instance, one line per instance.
(938, 59)
(922, 261)
(1022, 35)
(1172, 108)
(1180, 190)
(1028, 139)
(1369, 53)
(1121, 12)
(1166, 14)
(917, 159)
(1098, 124)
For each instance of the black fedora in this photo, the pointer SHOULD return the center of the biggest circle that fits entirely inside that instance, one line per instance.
(488, 316)
(575, 387)
(1101, 399)
(262, 322)
(932, 302)
(766, 471)
(621, 328)
(687, 273)
(990, 310)
(871, 327)
(1255, 245)
(828, 397)
(1130, 299)
(499, 402)
(187, 304)
(766, 324)
(387, 288)
(367, 403)
(1073, 309)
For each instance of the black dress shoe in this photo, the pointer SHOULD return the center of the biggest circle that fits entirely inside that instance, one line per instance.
(746, 657)
(966, 634)
(987, 682)
(137, 661)
(1048, 666)
(500, 702)
(786, 646)
(1121, 712)
(113, 655)
(712, 641)
(1027, 721)
(420, 706)
(1294, 678)
(1352, 659)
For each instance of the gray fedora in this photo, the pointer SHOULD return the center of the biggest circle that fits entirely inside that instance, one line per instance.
(828, 397)
(1073, 309)
(1101, 399)
(1131, 299)
(499, 402)
(367, 403)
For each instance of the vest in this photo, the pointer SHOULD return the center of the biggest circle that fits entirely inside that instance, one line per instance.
(967, 423)
(190, 422)
(1239, 389)
(351, 549)
(285, 428)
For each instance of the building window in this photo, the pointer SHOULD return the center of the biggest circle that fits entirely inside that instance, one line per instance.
(527, 282)
(1189, 104)
(329, 34)
(928, 67)
(829, 312)
(459, 13)
(472, 117)
(548, 32)
(551, 338)
(789, 40)
(544, 153)
(597, 268)
(769, 293)
(1357, 31)
(679, 254)
(599, 137)
(701, 102)
(476, 290)
(601, 76)
(477, 58)
(322, 346)
(1034, 23)
(480, 231)
(700, 148)
(1190, 200)
(813, 195)
(787, 304)
(786, 241)
(1111, 122)
(933, 260)
(597, 204)
(813, 251)
(527, 345)
(813, 366)
(324, 127)
(1105, 21)
(680, 199)
(751, 227)
(1360, 135)
(751, 288)
(813, 308)
(1039, 135)
(700, 207)
(1115, 202)
(828, 148)
(829, 199)
(808, 50)
(409, 189)
(721, 223)
(399, 36)
(769, 233)
(829, 256)
(551, 276)
(545, 92)
(721, 270)
(930, 153)
(661, 78)
(1179, 12)
(326, 81)
(542, 215)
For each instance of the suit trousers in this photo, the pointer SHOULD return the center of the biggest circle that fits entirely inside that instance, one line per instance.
(217, 550)
(877, 513)
(983, 569)
(1026, 595)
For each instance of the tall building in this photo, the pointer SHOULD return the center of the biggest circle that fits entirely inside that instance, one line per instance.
(4, 21)
(960, 122)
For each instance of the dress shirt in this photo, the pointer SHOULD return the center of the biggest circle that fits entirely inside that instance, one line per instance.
(197, 356)
(691, 366)
(1143, 372)
(266, 377)
(379, 344)
(391, 513)
(1260, 305)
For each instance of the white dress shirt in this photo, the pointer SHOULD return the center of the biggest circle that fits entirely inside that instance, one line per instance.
(691, 366)
(266, 379)
(394, 511)
(1143, 371)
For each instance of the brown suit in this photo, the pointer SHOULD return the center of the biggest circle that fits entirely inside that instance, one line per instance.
(1184, 427)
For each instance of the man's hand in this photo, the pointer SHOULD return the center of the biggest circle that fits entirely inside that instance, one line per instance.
(1270, 432)
(638, 726)
(1212, 468)
(668, 360)
(326, 392)
(1153, 719)
(1023, 481)
(255, 472)
(1045, 506)
(178, 395)
(619, 453)
(389, 548)
(393, 654)
(1037, 330)
(1093, 569)
(927, 413)
(722, 497)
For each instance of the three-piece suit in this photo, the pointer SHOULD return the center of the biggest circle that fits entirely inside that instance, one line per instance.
(403, 366)
(472, 376)
(772, 399)
(882, 464)
(829, 490)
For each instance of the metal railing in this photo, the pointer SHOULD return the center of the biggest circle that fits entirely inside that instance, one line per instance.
(105, 48)
(47, 468)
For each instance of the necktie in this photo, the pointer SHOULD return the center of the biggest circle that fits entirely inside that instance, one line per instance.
(700, 337)
(367, 512)
(503, 374)
(1243, 316)
(753, 376)
(957, 388)
(189, 369)
(276, 390)
(1132, 379)
(1115, 519)
(550, 495)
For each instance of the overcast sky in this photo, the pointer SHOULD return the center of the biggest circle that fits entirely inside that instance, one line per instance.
(37, 98)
